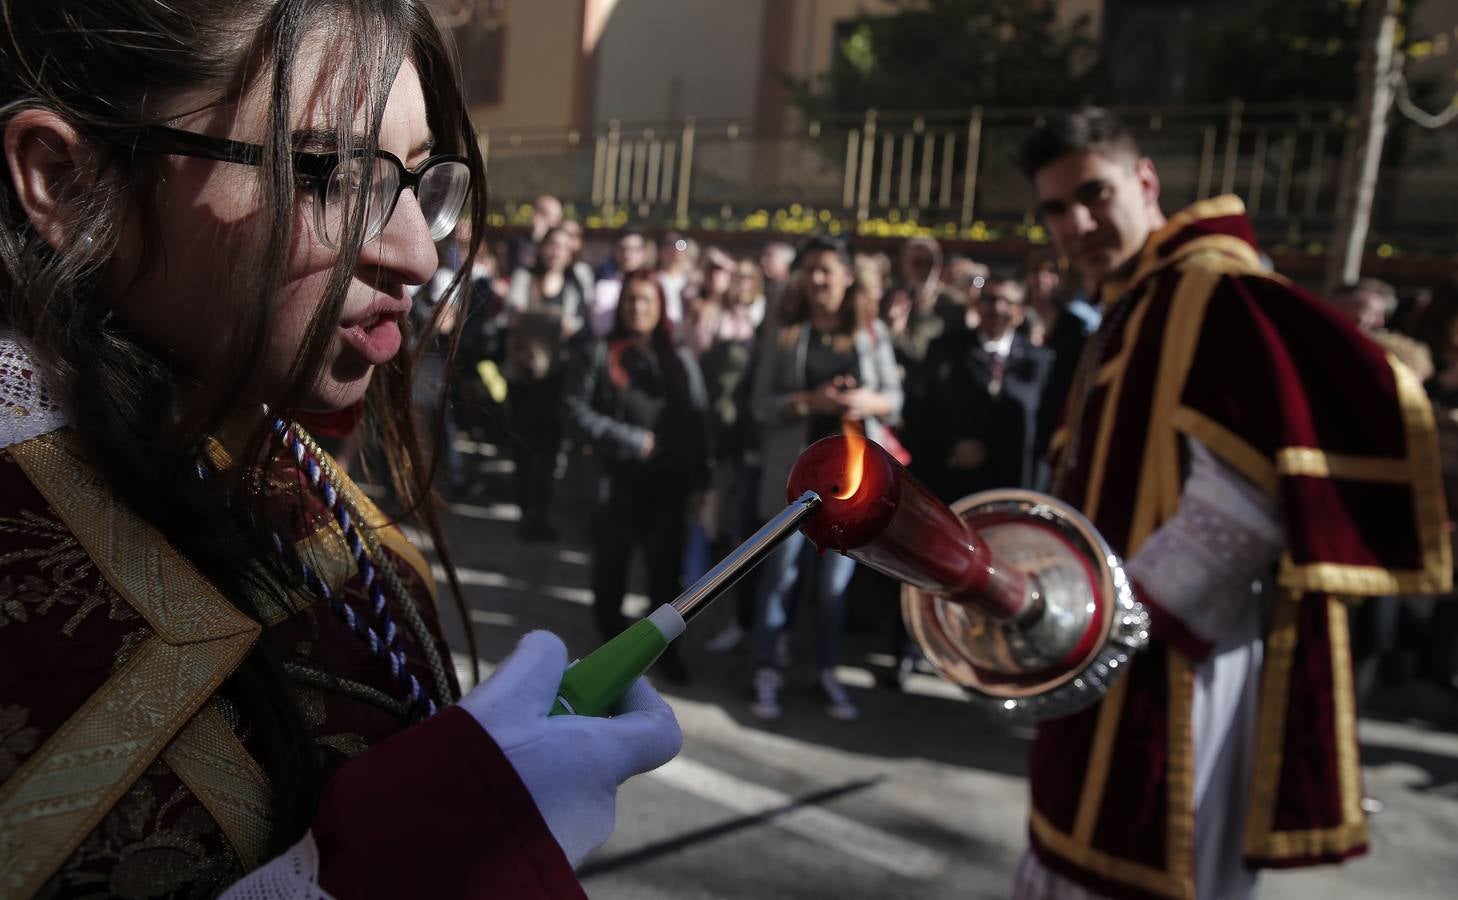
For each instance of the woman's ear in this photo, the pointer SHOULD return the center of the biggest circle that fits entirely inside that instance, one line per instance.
(50, 165)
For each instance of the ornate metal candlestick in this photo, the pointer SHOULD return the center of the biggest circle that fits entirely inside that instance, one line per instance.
(1011, 594)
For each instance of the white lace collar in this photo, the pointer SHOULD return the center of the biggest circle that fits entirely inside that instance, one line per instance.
(27, 406)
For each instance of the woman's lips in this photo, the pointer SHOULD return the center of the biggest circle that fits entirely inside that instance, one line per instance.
(376, 341)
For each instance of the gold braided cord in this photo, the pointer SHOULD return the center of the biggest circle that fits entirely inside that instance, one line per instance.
(383, 564)
(324, 681)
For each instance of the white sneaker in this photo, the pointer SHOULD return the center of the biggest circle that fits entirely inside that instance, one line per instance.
(768, 683)
(837, 702)
(732, 636)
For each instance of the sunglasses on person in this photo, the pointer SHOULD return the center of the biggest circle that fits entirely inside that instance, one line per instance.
(441, 183)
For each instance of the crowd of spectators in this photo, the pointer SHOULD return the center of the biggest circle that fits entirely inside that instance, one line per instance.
(675, 384)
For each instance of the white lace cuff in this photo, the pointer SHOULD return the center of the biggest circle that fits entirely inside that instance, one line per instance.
(1199, 565)
(294, 875)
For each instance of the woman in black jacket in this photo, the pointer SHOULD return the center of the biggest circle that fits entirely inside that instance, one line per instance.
(639, 399)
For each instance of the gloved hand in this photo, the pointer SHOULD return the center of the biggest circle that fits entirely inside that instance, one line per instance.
(571, 765)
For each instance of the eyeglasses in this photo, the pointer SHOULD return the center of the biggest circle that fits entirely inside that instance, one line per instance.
(441, 183)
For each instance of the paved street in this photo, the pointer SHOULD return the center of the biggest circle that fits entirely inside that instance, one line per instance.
(920, 798)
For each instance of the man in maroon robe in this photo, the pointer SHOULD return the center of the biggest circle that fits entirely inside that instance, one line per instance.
(1257, 462)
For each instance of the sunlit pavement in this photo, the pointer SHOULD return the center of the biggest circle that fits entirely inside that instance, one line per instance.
(921, 797)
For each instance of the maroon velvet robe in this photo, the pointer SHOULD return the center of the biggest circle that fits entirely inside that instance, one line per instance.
(125, 770)
(1200, 342)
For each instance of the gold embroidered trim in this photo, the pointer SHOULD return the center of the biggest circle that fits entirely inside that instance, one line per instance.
(1422, 451)
(1159, 490)
(179, 604)
(1358, 581)
(1261, 842)
(1228, 446)
(1113, 868)
(218, 769)
(1270, 731)
(1344, 703)
(1424, 475)
(64, 790)
(1224, 252)
(1242, 256)
(1313, 844)
(1422, 472)
(1094, 491)
(1097, 770)
(393, 539)
(1180, 782)
(1313, 463)
(1158, 497)
(327, 553)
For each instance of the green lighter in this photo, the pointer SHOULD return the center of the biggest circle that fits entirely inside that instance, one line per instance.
(593, 685)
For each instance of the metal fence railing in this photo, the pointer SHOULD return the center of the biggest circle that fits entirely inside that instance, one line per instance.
(953, 173)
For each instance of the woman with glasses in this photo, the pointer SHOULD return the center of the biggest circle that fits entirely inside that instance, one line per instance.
(221, 666)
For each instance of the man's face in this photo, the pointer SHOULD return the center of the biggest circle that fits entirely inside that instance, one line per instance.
(546, 213)
(630, 252)
(917, 264)
(775, 263)
(1099, 210)
(1365, 309)
(1000, 307)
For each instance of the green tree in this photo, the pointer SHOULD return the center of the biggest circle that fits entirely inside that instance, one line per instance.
(1280, 51)
(953, 54)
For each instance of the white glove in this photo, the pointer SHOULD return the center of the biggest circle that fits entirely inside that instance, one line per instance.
(571, 765)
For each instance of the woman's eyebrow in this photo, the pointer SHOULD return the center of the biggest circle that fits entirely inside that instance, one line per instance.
(326, 140)
(321, 140)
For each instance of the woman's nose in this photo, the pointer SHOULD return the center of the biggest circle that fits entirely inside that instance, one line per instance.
(404, 246)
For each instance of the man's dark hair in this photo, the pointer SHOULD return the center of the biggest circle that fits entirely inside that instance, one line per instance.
(1088, 129)
(628, 231)
(821, 243)
(1007, 275)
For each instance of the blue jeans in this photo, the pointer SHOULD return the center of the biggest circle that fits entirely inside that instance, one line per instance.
(830, 575)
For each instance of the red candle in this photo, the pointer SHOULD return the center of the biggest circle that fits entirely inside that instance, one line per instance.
(875, 512)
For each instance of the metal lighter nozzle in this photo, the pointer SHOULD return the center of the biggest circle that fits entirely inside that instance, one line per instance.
(746, 556)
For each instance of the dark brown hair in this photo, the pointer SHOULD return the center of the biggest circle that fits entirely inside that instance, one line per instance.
(855, 312)
(1088, 129)
(109, 69)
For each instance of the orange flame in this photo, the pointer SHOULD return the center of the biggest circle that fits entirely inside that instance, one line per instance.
(855, 459)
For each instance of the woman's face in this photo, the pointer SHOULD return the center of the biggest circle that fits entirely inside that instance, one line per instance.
(745, 285)
(557, 251)
(208, 216)
(574, 236)
(716, 281)
(641, 308)
(826, 278)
